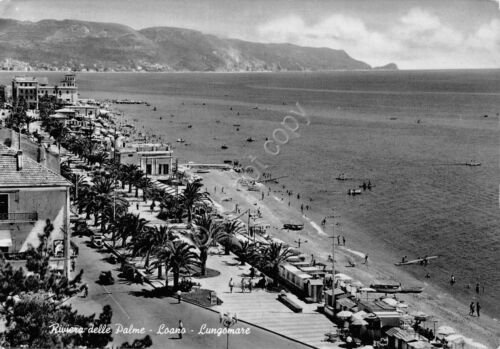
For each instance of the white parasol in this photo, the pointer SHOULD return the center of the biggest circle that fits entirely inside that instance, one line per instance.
(344, 314)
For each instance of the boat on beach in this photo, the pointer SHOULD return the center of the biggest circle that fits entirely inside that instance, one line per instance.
(342, 177)
(416, 261)
(291, 226)
(473, 163)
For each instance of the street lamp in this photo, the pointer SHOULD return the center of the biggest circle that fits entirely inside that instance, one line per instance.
(299, 241)
(228, 320)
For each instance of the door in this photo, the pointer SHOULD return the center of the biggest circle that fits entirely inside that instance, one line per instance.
(148, 169)
(4, 206)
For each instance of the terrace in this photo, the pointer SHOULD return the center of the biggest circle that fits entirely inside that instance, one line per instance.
(17, 217)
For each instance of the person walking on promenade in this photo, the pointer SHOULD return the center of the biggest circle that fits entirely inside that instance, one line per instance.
(231, 285)
(452, 280)
(338, 240)
(343, 240)
(250, 286)
(471, 308)
(477, 288)
(366, 259)
(181, 329)
(137, 206)
(478, 308)
(179, 296)
(243, 285)
(85, 288)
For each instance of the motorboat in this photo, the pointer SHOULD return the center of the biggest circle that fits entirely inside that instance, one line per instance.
(250, 139)
(223, 146)
(180, 140)
(354, 192)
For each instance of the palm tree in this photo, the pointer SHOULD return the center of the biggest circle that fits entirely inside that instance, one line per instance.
(182, 257)
(58, 131)
(246, 252)
(206, 234)
(274, 255)
(230, 229)
(147, 188)
(78, 182)
(100, 157)
(191, 196)
(150, 240)
(135, 226)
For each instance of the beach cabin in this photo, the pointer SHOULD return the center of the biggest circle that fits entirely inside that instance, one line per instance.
(294, 277)
(401, 338)
(314, 289)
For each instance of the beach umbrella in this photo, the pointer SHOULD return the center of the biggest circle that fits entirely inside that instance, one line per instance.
(342, 277)
(359, 322)
(344, 314)
(391, 301)
(445, 330)
(357, 284)
(421, 316)
(360, 314)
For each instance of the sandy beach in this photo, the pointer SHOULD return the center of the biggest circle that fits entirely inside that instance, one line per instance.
(275, 212)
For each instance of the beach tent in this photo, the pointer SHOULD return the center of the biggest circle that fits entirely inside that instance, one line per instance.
(419, 345)
(455, 341)
(342, 277)
(444, 331)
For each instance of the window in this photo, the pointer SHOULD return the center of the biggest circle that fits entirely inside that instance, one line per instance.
(4, 206)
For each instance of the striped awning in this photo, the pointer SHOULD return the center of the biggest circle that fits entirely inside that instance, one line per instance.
(5, 238)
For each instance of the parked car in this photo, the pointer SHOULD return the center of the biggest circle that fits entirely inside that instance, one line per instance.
(97, 240)
(106, 278)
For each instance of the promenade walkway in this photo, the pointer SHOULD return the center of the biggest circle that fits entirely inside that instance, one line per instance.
(262, 308)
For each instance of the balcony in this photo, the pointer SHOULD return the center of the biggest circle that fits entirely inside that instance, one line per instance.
(18, 217)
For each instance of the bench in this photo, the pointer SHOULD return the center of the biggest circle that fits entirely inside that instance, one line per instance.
(290, 304)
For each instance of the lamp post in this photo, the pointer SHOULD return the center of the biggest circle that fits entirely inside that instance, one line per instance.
(228, 320)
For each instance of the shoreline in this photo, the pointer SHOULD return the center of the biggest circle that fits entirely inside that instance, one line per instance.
(433, 300)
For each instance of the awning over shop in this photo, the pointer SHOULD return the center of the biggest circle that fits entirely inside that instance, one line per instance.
(5, 238)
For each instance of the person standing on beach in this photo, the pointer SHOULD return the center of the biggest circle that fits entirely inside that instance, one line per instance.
(366, 259)
(477, 288)
(478, 308)
(231, 285)
(343, 240)
(471, 309)
(452, 280)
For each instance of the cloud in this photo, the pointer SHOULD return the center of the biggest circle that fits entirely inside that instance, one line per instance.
(417, 39)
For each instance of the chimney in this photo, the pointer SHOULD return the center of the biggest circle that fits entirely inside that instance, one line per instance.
(19, 158)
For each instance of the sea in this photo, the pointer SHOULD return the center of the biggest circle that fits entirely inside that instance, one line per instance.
(410, 133)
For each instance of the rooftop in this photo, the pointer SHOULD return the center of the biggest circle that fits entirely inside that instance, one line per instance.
(31, 175)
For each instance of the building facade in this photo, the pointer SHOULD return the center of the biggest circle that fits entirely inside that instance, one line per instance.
(31, 89)
(31, 198)
(152, 159)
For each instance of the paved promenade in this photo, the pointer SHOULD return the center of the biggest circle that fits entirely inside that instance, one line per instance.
(262, 307)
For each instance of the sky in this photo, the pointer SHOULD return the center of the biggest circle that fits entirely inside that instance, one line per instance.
(414, 34)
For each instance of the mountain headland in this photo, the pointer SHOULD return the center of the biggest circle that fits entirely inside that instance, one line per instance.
(93, 46)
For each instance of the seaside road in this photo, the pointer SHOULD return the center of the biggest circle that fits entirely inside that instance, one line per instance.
(132, 307)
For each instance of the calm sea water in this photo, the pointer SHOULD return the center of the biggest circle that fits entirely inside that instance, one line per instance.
(408, 132)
